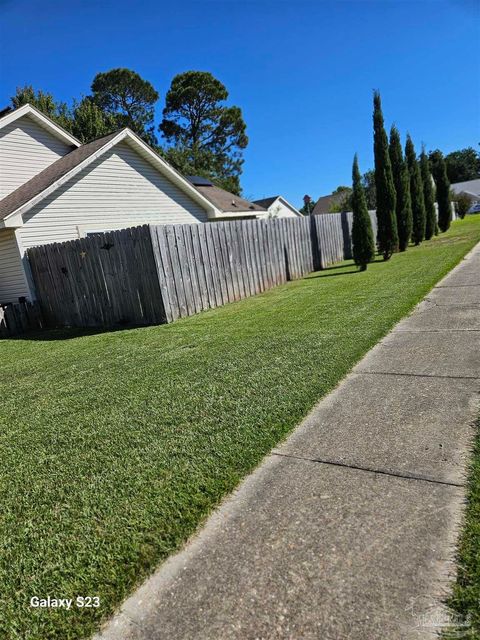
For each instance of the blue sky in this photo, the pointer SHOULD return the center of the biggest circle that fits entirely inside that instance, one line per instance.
(302, 72)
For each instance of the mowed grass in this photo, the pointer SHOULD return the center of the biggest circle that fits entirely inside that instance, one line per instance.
(115, 446)
(465, 599)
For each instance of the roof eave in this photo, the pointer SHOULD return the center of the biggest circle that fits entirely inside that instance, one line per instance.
(236, 214)
(12, 222)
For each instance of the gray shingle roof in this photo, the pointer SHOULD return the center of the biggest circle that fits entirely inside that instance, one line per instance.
(50, 175)
(470, 186)
(226, 201)
(266, 202)
(324, 203)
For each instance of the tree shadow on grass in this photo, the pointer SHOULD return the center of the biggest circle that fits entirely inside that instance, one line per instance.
(348, 269)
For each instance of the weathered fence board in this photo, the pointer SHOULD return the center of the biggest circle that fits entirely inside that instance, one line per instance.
(103, 280)
(153, 274)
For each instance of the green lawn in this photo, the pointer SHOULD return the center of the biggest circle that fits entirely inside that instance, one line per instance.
(114, 446)
(465, 600)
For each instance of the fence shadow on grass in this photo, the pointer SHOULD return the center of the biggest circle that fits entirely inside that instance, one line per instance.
(70, 333)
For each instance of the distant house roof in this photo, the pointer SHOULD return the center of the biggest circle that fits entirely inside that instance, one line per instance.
(224, 200)
(324, 203)
(471, 187)
(266, 202)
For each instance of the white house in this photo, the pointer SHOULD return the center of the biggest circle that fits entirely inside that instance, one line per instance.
(53, 189)
(278, 207)
(470, 188)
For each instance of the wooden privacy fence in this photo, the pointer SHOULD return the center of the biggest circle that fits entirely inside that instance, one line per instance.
(159, 273)
(19, 317)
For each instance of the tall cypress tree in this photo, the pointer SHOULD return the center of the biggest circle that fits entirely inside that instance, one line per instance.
(387, 235)
(431, 226)
(401, 181)
(439, 171)
(362, 234)
(416, 193)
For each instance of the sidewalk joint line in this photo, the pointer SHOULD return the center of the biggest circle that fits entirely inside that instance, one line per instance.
(381, 472)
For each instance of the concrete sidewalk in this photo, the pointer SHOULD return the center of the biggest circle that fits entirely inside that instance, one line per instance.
(348, 529)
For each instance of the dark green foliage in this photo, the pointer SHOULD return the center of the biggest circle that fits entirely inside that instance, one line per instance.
(86, 120)
(401, 180)
(206, 137)
(342, 201)
(44, 102)
(308, 206)
(128, 98)
(464, 202)
(90, 122)
(416, 193)
(363, 243)
(463, 165)
(439, 172)
(431, 226)
(368, 181)
(387, 235)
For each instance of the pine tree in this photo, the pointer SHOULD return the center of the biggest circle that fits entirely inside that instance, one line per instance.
(439, 171)
(362, 234)
(431, 226)
(402, 187)
(416, 193)
(387, 235)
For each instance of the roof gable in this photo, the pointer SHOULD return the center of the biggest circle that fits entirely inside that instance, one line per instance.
(42, 120)
(268, 202)
(51, 178)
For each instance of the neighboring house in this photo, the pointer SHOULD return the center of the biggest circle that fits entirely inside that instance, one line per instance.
(53, 188)
(325, 203)
(229, 206)
(278, 207)
(471, 188)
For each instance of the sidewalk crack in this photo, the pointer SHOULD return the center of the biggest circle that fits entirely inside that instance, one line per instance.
(383, 472)
(415, 375)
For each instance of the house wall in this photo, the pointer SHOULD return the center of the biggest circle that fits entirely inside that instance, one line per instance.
(13, 283)
(26, 148)
(120, 189)
(279, 210)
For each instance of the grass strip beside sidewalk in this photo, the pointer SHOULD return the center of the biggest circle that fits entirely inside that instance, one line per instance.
(465, 598)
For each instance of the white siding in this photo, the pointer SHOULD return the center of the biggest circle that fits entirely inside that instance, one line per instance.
(26, 148)
(13, 283)
(120, 189)
(279, 210)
